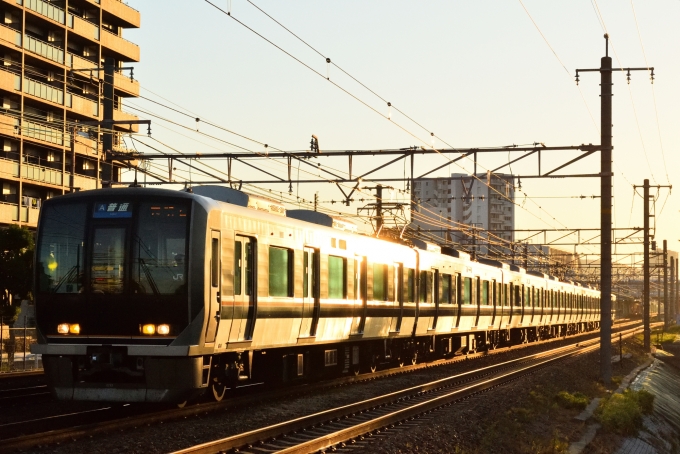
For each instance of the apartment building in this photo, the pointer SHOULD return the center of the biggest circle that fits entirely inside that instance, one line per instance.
(52, 55)
(462, 208)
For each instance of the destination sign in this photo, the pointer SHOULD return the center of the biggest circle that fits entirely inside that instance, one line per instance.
(107, 210)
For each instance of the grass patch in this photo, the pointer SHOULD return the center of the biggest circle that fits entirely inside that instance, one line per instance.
(622, 413)
(577, 401)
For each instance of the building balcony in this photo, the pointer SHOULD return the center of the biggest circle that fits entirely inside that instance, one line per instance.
(9, 125)
(124, 84)
(82, 105)
(44, 49)
(42, 133)
(85, 28)
(122, 11)
(9, 36)
(43, 91)
(120, 115)
(45, 9)
(126, 50)
(9, 213)
(83, 183)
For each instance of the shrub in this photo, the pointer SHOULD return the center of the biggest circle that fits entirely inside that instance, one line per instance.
(577, 400)
(622, 413)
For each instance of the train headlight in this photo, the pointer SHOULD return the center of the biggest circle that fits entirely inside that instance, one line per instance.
(66, 328)
(149, 329)
(163, 330)
(63, 328)
(74, 328)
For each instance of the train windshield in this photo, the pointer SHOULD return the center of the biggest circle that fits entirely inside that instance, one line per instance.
(60, 255)
(134, 248)
(159, 249)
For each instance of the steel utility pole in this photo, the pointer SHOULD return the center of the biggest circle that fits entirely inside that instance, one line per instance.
(665, 285)
(645, 271)
(671, 295)
(645, 266)
(605, 71)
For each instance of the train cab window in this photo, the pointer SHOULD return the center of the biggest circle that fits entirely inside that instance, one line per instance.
(445, 289)
(60, 263)
(410, 277)
(466, 291)
(337, 277)
(379, 282)
(159, 264)
(485, 293)
(280, 271)
(107, 271)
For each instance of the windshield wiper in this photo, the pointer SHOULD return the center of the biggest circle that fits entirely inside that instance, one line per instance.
(149, 277)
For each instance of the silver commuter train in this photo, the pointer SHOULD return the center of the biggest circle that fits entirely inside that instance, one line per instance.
(152, 295)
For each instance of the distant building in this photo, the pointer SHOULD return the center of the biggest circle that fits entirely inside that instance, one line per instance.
(450, 209)
(41, 41)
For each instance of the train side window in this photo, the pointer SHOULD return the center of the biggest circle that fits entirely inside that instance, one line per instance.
(238, 266)
(527, 296)
(215, 262)
(337, 277)
(506, 292)
(518, 295)
(306, 265)
(280, 271)
(410, 285)
(485, 293)
(379, 282)
(250, 248)
(445, 289)
(425, 286)
(467, 290)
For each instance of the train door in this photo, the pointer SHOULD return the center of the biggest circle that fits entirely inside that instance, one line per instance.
(480, 289)
(434, 296)
(311, 306)
(361, 292)
(245, 285)
(494, 300)
(459, 297)
(398, 296)
(215, 303)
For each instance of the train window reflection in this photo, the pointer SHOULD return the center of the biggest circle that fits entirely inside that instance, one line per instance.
(108, 260)
(60, 252)
(280, 272)
(467, 290)
(337, 272)
(379, 282)
(159, 249)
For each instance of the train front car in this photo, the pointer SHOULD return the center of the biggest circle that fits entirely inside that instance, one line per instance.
(118, 294)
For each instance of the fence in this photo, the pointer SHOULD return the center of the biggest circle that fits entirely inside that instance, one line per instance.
(15, 349)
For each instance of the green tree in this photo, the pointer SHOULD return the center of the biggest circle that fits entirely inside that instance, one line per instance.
(16, 270)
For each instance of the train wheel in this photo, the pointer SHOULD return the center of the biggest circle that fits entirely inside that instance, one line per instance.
(219, 390)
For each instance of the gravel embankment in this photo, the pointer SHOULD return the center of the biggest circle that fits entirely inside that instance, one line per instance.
(519, 417)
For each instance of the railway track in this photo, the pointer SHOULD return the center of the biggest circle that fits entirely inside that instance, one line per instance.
(89, 421)
(348, 427)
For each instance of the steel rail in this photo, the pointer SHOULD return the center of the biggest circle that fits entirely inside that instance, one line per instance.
(69, 434)
(270, 438)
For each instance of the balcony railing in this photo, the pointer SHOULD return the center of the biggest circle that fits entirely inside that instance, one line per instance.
(82, 105)
(46, 9)
(42, 132)
(120, 45)
(44, 91)
(43, 49)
